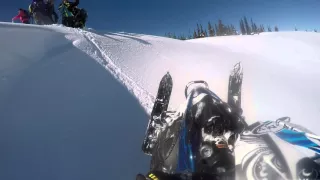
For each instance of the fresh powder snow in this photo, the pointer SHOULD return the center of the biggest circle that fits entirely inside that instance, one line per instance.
(74, 104)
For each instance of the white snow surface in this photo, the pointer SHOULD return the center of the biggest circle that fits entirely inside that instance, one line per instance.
(74, 104)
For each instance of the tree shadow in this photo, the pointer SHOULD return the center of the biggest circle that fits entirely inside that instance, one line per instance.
(112, 38)
(131, 34)
(130, 37)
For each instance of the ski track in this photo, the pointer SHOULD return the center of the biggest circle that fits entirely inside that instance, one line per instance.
(92, 47)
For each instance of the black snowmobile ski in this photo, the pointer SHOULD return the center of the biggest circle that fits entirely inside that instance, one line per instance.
(160, 106)
(234, 89)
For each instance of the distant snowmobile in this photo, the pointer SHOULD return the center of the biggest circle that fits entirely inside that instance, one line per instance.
(210, 139)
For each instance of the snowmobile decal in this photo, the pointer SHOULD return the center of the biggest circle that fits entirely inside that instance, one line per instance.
(282, 131)
(185, 157)
(298, 138)
(257, 155)
(264, 128)
(185, 161)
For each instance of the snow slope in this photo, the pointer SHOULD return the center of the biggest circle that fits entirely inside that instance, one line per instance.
(62, 115)
(280, 69)
(66, 104)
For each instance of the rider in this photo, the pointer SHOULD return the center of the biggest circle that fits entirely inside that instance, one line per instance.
(80, 17)
(23, 15)
(38, 9)
(66, 9)
(72, 16)
(51, 12)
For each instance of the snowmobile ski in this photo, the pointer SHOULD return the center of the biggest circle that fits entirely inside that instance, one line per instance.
(234, 89)
(159, 108)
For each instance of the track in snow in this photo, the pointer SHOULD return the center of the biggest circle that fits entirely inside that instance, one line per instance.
(93, 48)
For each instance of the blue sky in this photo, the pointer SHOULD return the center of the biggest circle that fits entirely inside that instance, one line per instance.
(157, 17)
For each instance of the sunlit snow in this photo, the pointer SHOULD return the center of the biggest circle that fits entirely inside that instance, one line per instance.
(74, 104)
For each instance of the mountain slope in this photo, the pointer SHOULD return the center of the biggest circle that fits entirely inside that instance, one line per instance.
(63, 116)
(66, 104)
(280, 68)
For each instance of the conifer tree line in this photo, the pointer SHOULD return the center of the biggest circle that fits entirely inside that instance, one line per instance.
(315, 30)
(221, 29)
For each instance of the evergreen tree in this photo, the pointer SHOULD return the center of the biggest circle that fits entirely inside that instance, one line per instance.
(315, 30)
(217, 30)
(227, 30)
(246, 24)
(234, 31)
(295, 29)
(221, 27)
(269, 29)
(252, 26)
(195, 34)
(263, 29)
(182, 37)
(230, 30)
(205, 33)
(276, 29)
(242, 28)
(255, 28)
(260, 29)
(210, 29)
(201, 31)
(213, 31)
(174, 36)
(198, 31)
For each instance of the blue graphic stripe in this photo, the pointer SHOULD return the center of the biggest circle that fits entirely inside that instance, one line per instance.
(191, 158)
(185, 157)
(182, 164)
(316, 150)
(298, 138)
(289, 133)
(305, 143)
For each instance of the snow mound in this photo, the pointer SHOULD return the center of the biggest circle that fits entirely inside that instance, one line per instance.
(74, 104)
(62, 115)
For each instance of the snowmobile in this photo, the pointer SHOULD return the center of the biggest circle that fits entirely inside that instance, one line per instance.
(207, 138)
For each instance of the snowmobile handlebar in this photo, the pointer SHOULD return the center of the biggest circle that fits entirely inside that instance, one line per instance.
(194, 82)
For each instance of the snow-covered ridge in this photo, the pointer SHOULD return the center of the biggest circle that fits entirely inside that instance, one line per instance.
(278, 66)
(52, 85)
